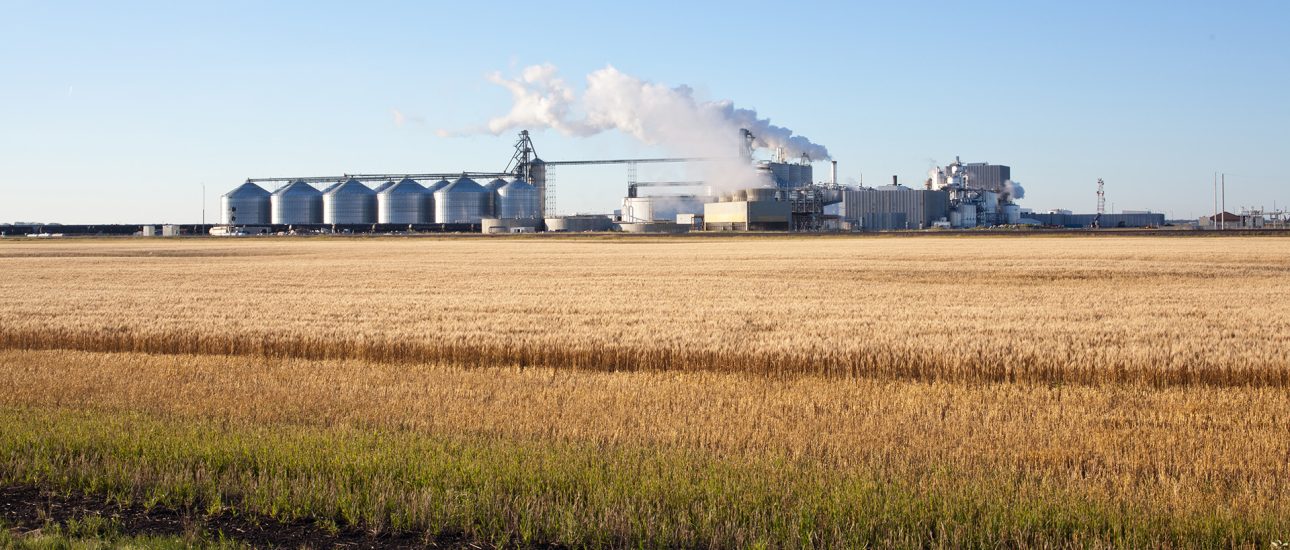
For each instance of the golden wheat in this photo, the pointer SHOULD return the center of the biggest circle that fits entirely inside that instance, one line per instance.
(1130, 375)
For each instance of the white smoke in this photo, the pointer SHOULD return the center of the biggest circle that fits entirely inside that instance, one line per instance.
(654, 114)
(1014, 189)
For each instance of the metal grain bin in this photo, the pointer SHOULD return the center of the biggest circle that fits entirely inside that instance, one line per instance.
(462, 201)
(492, 188)
(296, 203)
(430, 190)
(517, 200)
(248, 204)
(402, 202)
(383, 187)
(349, 203)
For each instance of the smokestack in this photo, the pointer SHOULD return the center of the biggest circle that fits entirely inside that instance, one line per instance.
(893, 180)
(833, 173)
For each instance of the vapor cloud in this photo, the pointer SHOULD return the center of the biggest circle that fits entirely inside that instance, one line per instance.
(652, 113)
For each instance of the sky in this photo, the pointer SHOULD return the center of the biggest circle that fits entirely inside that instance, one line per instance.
(120, 112)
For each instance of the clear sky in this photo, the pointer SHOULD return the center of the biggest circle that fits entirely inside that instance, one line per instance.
(120, 111)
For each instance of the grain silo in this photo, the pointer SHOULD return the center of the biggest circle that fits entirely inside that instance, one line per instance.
(248, 204)
(518, 199)
(349, 203)
(462, 201)
(430, 190)
(492, 187)
(296, 203)
(383, 187)
(402, 202)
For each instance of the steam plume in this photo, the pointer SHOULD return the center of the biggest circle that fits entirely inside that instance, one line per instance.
(652, 113)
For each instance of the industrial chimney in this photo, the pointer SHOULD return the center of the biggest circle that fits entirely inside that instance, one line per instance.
(893, 180)
(833, 173)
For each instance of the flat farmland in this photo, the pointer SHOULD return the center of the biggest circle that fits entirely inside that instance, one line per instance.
(700, 391)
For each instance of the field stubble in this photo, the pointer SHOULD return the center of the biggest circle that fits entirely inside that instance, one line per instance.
(974, 392)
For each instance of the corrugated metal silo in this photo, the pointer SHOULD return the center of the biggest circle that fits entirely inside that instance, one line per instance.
(383, 187)
(492, 188)
(402, 202)
(462, 201)
(248, 204)
(296, 203)
(430, 189)
(349, 203)
(518, 199)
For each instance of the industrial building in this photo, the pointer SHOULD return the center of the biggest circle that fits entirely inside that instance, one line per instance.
(893, 207)
(782, 196)
(1074, 221)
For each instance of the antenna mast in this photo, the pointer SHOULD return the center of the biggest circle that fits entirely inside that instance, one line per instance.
(1101, 203)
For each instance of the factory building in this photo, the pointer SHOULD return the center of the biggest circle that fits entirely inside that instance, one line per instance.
(1148, 219)
(758, 209)
(786, 175)
(893, 207)
(975, 175)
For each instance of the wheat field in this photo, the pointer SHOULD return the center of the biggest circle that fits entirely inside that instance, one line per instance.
(716, 392)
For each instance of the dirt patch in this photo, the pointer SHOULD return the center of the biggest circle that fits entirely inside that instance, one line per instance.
(25, 508)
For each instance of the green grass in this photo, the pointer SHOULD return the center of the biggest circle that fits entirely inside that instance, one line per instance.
(585, 495)
(95, 532)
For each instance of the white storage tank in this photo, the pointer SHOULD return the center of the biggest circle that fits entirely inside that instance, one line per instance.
(248, 204)
(402, 202)
(349, 203)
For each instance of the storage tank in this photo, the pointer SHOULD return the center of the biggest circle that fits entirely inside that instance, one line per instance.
(430, 189)
(1011, 214)
(492, 188)
(248, 204)
(967, 214)
(349, 203)
(517, 199)
(402, 202)
(462, 201)
(989, 202)
(761, 194)
(383, 187)
(296, 203)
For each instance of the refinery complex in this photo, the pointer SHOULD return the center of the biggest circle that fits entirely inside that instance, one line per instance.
(780, 194)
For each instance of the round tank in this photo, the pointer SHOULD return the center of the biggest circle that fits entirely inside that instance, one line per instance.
(573, 224)
(989, 202)
(349, 203)
(967, 214)
(430, 189)
(1011, 214)
(296, 203)
(402, 202)
(956, 219)
(248, 204)
(517, 199)
(492, 188)
(761, 194)
(462, 201)
(383, 187)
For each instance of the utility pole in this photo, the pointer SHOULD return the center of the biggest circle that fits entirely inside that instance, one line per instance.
(1213, 220)
(203, 206)
(1224, 214)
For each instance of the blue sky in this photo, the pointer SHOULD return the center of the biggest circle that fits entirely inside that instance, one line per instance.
(118, 112)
